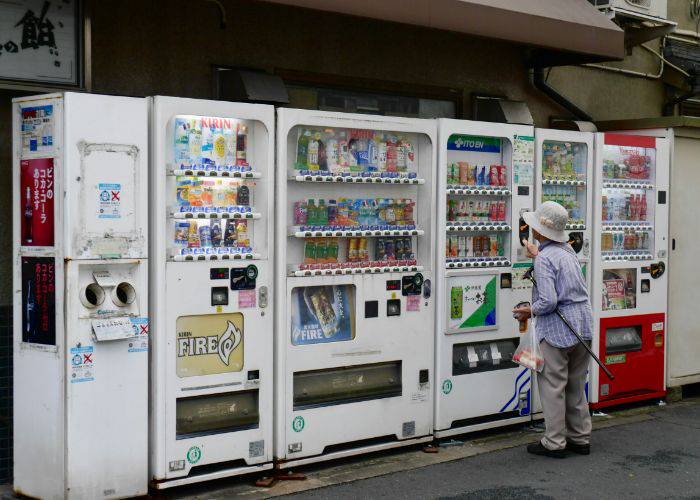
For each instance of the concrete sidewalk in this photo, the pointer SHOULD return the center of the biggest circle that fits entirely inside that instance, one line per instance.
(645, 452)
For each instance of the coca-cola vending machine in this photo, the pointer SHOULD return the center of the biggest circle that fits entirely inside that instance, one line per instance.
(80, 296)
(630, 255)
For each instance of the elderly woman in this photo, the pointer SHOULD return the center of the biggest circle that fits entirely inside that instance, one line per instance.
(562, 382)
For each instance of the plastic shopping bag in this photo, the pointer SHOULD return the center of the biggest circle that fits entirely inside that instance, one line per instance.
(528, 353)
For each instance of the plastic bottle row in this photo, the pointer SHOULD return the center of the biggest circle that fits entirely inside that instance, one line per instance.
(633, 165)
(566, 196)
(353, 151)
(464, 247)
(624, 206)
(465, 174)
(357, 250)
(370, 213)
(617, 241)
(197, 234)
(216, 193)
(206, 141)
(476, 211)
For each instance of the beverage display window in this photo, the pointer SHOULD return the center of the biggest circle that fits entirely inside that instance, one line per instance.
(627, 202)
(478, 201)
(564, 178)
(619, 289)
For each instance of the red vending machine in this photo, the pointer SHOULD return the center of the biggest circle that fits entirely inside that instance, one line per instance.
(629, 295)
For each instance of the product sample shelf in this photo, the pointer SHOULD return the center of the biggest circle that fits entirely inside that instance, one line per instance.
(477, 262)
(304, 232)
(626, 255)
(217, 256)
(204, 172)
(573, 226)
(356, 179)
(477, 226)
(479, 190)
(227, 213)
(621, 226)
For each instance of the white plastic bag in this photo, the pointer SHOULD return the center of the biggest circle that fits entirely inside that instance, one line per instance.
(528, 354)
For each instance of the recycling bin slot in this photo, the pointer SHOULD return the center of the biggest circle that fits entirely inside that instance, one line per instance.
(216, 413)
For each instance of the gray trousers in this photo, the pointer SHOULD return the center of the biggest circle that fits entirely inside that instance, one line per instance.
(562, 385)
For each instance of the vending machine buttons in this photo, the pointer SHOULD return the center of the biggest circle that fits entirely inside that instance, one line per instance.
(219, 296)
(393, 307)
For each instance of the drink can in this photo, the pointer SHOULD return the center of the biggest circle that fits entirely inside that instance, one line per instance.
(477, 246)
(493, 175)
(502, 211)
(380, 253)
(461, 249)
(456, 302)
(389, 249)
(493, 240)
(398, 248)
(353, 250)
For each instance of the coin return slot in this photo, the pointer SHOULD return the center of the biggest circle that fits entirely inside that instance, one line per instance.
(393, 307)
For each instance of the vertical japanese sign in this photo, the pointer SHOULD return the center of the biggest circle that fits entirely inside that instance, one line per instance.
(39, 300)
(39, 41)
(36, 202)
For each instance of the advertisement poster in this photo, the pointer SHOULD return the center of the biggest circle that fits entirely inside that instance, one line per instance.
(36, 202)
(208, 344)
(323, 314)
(39, 300)
(472, 302)
(37, 129)
(614, 294)
(523, 159)
(519, 280)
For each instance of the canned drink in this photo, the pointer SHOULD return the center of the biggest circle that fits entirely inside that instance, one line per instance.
(389, 249)
(493, 240)
(353, 250)
(461, 250)
(493, 176)
(398, 248)
(464, 173)
(502, 211)
(477, 246)
(456, 302)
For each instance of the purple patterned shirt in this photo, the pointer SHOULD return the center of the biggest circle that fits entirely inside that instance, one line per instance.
(560, 282)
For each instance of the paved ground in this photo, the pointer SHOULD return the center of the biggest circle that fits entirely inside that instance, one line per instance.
(655, 458)
(646, 452)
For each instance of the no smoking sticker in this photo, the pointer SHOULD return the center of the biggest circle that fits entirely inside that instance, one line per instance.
(82, 362)
(109, 203)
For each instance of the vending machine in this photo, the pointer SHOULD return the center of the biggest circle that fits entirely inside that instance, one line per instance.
(80, 288)
(355, 316)
(485, 182)
(211, 289)
(630, 255)
(564, 171)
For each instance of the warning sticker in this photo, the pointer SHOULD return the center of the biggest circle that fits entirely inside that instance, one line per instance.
(109, 202)
(139, 343)
(82, 361)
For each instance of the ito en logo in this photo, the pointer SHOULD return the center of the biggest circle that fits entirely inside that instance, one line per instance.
(298, 424)
(447, 387)
(194, 454)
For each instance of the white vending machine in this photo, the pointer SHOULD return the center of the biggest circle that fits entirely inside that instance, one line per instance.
(564, 171)
(630, 256)
(211, 289)
(80, 296)
(485, 182)
(355, 316)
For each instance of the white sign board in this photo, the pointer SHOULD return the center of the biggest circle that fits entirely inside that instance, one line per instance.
(39, 41)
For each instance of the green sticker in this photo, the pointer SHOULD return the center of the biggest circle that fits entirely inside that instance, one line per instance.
(616, 359)
(194, 454)
(298, 424)
(447, 387)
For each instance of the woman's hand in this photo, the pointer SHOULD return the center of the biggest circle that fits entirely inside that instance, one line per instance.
(522, 313)
(530, 249)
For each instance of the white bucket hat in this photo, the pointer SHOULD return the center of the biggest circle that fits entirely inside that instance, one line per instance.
(549, 220)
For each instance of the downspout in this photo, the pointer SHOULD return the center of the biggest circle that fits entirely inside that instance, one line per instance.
(541, 84)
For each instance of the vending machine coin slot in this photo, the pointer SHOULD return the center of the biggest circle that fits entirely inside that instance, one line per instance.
(254, 375)
(523, 190)
(427, 288)
(371, 308)
(393, 307)
(412, 285)
(662, 197)
(262, 297)
(244, 278)
(219, 296)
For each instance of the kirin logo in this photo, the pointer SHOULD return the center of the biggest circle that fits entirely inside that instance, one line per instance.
(212, 344)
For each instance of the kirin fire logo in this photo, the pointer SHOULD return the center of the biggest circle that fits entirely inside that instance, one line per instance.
(211, 344)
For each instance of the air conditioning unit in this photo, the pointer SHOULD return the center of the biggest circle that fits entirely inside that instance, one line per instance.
(651, 8)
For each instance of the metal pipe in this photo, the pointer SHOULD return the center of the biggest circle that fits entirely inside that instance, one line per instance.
(540, 83)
